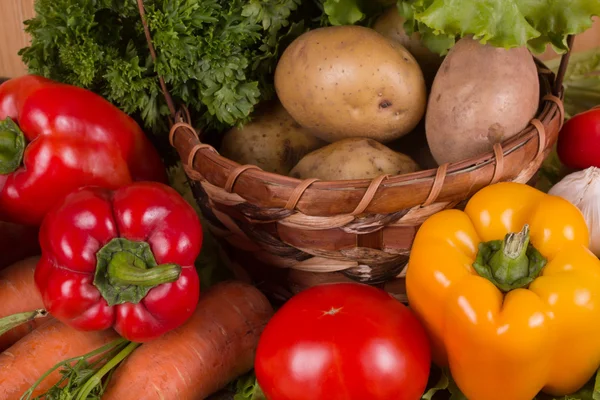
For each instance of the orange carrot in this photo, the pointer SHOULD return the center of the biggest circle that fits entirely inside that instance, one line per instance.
(213, 348)
(18, 293)
(27, 360)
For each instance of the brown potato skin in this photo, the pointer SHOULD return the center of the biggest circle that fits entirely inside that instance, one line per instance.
(350, 81)
(272, 141)
(353, 158)
(482, 95)
(391, 25)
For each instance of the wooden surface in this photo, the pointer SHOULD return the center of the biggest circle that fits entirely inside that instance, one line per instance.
(13, 38)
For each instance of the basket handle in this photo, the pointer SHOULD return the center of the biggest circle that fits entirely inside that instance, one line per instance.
(562, 68)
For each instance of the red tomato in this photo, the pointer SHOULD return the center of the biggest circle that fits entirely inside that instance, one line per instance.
(343, 341)
(578, 145)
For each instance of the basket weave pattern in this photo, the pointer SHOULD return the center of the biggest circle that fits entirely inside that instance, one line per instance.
(363, 229)
(290, 233)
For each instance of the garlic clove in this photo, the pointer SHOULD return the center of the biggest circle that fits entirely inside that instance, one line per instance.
(582, 189)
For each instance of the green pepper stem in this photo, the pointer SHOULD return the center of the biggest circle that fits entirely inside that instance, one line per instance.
(12, 146)
(121, 271)
(126, 271)
(510, 263)
(14, 320)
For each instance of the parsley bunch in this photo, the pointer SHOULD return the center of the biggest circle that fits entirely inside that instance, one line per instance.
(216, 56)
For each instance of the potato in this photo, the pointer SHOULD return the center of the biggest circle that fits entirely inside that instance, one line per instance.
(353, 158)
(272, 141)
(350, 81)
(391, 25)
(482, 95)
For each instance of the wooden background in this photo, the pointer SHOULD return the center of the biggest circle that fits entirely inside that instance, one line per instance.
(12, 37)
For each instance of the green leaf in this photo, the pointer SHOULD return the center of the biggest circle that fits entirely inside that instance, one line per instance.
(343, 12)
(216, 56)
(81, 376)
(436, 42)
(507, 23)
(441, 385)
(247, 388)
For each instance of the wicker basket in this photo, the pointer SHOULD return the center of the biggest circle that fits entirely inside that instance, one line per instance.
(286, 234)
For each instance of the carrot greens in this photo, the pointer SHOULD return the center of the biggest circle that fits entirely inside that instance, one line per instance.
(85, 377)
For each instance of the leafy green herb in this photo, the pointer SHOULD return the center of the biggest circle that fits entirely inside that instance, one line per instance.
(85, 377)
(507, 23)
(350, 12)
(343, 12)
(246, 388)
(446, 386)
(216, 56)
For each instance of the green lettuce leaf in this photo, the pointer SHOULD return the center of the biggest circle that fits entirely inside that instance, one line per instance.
(350, 12)
(343, 12)
(246, 388)
(507, 23)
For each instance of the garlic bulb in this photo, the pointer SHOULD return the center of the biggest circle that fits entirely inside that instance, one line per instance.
(582, 189)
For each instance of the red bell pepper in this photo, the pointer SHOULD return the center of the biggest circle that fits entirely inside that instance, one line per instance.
(55, 138)
(122, 259)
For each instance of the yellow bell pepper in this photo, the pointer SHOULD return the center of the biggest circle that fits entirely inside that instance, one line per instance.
(509, 293)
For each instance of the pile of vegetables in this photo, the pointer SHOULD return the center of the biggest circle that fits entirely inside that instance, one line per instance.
(121, 292)
(112, 279)
(365, 97)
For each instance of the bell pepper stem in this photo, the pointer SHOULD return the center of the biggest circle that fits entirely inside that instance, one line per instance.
(122, 271)
(14, 320)
(510, 263)
(12, 146)
(126, 271)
